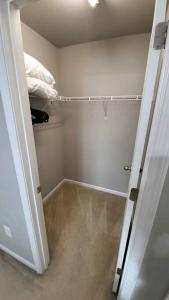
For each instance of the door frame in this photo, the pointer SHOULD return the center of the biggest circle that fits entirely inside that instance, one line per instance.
(153, 178)
(149, 90)
(18, 120)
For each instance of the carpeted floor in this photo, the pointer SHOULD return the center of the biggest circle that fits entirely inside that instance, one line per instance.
(83, 228)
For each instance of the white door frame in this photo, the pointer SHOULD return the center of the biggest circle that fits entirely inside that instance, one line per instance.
(153, 178)
(18, 119)
(144, 117)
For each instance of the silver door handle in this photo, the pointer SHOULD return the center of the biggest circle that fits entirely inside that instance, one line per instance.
(127, 168)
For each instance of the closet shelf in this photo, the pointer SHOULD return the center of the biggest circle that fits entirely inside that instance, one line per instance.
(97, 98)
(48, 125)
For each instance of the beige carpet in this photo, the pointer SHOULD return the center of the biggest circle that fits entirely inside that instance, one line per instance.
(83, 228)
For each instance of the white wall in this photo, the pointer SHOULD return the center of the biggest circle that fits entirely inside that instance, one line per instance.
(11, 210)
(110, 67)
(97, 150)
(48, 141)
(94, 150)
(42, 50)
(49, 148)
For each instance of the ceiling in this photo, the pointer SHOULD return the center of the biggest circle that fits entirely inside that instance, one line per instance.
(69, 22)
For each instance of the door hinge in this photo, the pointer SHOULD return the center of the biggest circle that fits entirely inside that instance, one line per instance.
(134, 194)
(39, 189)
(119, 271)
(160, 35)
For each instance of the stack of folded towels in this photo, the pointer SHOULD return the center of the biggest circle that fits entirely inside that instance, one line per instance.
(40, 81)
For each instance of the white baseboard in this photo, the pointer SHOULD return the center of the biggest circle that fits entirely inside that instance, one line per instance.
(94, 187)
(18, 257)
(98, 188)
(57, 187)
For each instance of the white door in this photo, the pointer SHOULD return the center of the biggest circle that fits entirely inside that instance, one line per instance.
(18, 120)
(149, 90)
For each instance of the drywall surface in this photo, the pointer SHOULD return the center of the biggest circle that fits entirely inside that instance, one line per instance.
(95, 149)
(48, 141)
(109, 67)
(11, 210)
(49, 149)
(154, 274)
(38, 47)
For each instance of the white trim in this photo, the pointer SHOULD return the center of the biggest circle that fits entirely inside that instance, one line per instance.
(153, 178)
(18, 120)
(56, 188)
(97, 188)
(23, 124)
(83, 184)
(17, 257)
(149, 90)
(9, 90)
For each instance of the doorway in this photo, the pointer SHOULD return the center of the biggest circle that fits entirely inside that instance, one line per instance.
(78, 193)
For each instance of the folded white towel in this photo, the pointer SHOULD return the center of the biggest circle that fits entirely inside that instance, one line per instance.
(35, 69)
(41, 89)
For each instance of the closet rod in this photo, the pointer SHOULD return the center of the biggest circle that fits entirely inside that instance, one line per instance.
(97, 98)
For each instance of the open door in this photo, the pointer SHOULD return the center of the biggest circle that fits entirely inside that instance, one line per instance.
(149, 91)
(18, 121)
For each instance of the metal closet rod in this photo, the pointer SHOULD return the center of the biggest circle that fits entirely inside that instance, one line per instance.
(98, 98)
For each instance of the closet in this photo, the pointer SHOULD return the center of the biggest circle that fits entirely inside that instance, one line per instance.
(99, 86)
(85, 93)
